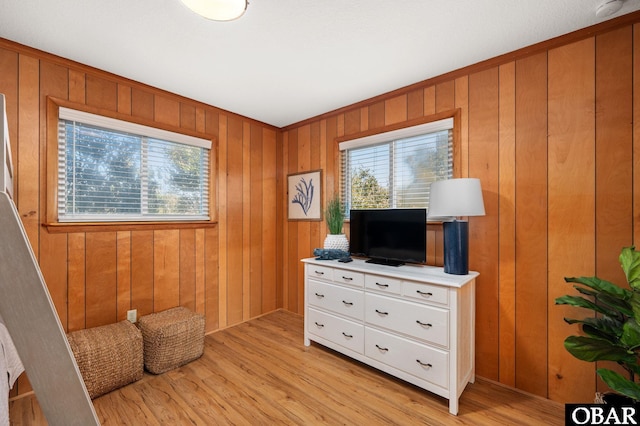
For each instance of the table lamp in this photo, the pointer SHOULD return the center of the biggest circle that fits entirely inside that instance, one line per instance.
(448, 200)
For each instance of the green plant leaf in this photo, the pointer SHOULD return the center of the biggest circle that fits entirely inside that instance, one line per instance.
(592, 349)
(581, 302)
(620, 305)
(608, 328)
(586, 291)
(619, 384)
(630, 334)
(635, 305)
(630, 261)
(601, 286)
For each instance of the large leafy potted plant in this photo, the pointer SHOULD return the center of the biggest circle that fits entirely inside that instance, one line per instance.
(613, 333)
(334, 215)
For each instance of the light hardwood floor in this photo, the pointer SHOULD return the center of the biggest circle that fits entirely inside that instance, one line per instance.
(260, 373)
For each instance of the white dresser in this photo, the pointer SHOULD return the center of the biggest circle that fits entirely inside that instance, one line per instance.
(414, 322)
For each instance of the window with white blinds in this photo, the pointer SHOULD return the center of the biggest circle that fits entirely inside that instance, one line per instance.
(112, 170)
(395, 169)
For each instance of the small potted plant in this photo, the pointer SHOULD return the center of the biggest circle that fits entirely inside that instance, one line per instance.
(613, 333)
(334, 215)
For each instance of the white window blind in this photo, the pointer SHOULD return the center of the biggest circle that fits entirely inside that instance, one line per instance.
(113, 170)
(395, 169)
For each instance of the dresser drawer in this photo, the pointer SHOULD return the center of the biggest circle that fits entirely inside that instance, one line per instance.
(338, 330)
(414, 358)
(383, 284)
(423, 322)
(426, 292)
(320, 272)
(335, 298)
(343, 276)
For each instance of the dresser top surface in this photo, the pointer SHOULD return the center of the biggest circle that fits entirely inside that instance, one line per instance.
(430, 274)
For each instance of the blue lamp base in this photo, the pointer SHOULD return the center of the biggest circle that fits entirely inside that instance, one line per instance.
(456, 247)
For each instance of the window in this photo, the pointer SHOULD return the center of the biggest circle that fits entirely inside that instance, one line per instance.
(395, 169)
(112, 170)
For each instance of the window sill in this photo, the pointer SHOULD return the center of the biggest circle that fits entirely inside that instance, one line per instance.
(59, 227)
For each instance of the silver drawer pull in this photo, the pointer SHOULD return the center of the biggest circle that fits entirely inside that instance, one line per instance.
(347, 278)
(382, 349)
(320, 295)
(347, 303)
(319, 272)
(348, 336)
(382, 285)
(423, 293)
(424, 364)
(424, 324)
(382, 313)
(319, 325)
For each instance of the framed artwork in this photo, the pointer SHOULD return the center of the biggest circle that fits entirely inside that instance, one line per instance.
(304, 195)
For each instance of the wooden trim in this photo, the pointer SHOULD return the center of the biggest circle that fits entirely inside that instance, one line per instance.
(59, 227)
(543, 46)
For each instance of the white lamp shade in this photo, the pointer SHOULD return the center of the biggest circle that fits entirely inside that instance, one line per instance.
(456, 197)
(217, 10)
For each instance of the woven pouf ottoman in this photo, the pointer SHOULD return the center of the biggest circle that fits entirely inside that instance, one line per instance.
(171, 338)
(108, 357)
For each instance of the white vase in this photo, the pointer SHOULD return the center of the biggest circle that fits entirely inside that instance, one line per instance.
(336, 241)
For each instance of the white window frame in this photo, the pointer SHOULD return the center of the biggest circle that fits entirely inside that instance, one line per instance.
(386, 138)
(143, 131)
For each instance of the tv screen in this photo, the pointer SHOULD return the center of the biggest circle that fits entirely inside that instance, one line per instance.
(389, 236)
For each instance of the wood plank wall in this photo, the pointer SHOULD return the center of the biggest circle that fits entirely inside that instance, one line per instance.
(550, 133)
(226, 271)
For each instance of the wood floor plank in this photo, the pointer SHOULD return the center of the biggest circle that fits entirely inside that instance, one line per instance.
(259, 372)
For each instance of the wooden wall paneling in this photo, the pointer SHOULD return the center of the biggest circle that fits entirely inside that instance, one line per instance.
(166, 110)
(200, 271)
(331, 173)
(291, 300)
(506, 215)
(395, 110)
(483, 231)
(101, 93)
(188, 268)
(571, 206)
(246, 221)
(76, 282)
(123, 267)
(256, 230)
(429, 100)
(124, 99)
(223, 235)
(234, 223)
(531, 224)
(28, 147)
(352, 121)
(282, 244)
(461, 159)
(636, 135)
(445, 96)
(316, 236)
(54, 81)
(614, 159)
(9, 87)
(376, 115)
(304, 227)
(101, 278)
(142, 269)
(364, 118)
(77, 87)
(166, 269)
(415, 104)
(142, 103)
(187, 116)
(614, 151)
(269, 221)
(212, 293)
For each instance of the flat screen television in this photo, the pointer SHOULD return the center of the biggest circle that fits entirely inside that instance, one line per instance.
(389, 236)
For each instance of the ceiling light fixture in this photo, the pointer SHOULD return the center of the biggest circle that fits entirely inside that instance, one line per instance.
(218, 10)
(608, 8)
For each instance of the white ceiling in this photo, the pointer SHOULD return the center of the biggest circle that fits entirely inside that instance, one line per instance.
(288, 60)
